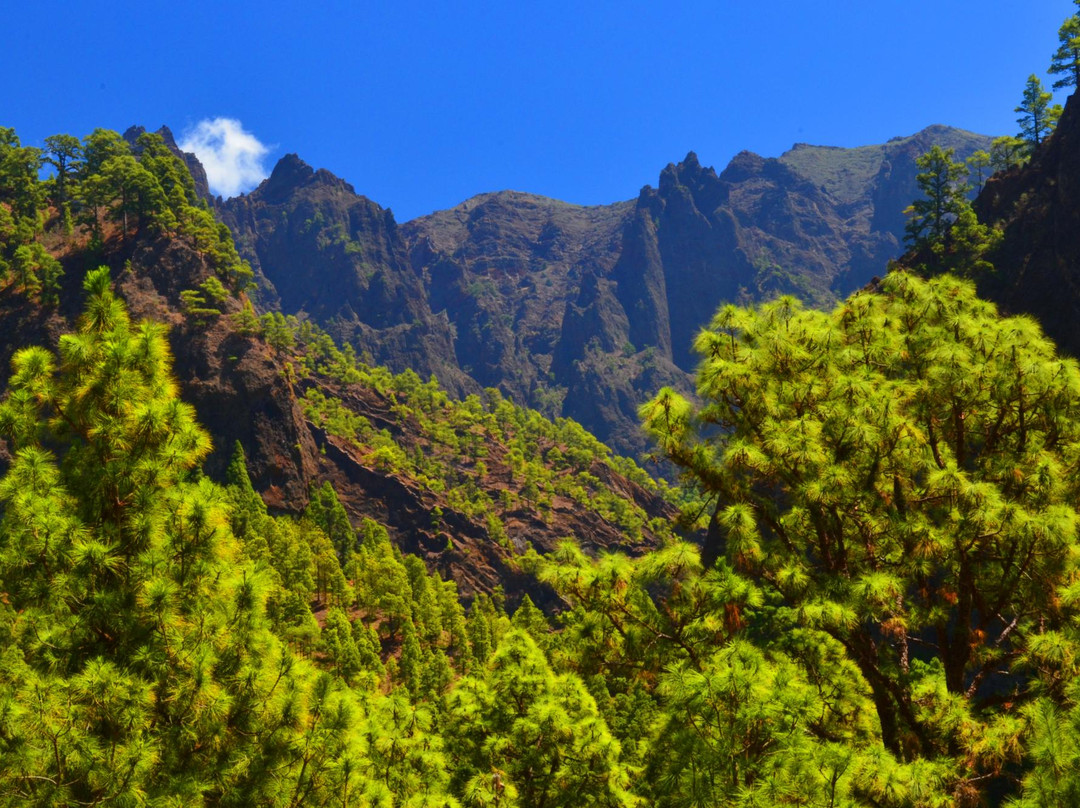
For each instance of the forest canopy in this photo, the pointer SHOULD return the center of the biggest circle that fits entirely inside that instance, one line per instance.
(900, 475)
(883, 612)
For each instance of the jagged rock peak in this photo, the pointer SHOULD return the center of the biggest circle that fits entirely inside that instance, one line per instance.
(291, 173)
(133, 132)
(743, 165)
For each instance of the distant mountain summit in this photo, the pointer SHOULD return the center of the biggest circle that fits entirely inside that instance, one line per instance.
(872, 185)
(579, 311)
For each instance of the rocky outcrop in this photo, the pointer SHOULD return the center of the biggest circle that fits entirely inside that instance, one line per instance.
(1037, 266)
(321, 250)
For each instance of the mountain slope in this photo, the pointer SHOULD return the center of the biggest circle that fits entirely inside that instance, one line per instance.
(639, 283)
(467, 485)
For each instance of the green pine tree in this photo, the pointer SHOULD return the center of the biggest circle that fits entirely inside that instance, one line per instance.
(1066, 59)
(894, 474)
(137, 663)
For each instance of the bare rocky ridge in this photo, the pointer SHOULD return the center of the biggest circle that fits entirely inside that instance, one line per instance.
(580, 311)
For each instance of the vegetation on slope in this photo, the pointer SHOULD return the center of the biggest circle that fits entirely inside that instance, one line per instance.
(889, 620)
(885, 610)
(449, 440)
(474, 481)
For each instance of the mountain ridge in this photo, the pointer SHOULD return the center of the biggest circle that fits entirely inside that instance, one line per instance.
(578, 310)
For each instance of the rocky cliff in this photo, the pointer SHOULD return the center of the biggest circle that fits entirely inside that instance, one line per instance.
(580, 311)
(1037, 266)
(319, 248)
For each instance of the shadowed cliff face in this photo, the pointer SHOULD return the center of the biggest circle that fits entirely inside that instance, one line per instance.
(319, 248)
(580, 311)
(502, 266)
(1037, 266)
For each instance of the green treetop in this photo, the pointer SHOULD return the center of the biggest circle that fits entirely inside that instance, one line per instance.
(943, 231)
(1006, 152)
(137, 665)
(19, 185)
(1066, 59)
(63, 153)
(1037, 117)
(521, 735)
(942, 181)
(978, 162)
(901, 473)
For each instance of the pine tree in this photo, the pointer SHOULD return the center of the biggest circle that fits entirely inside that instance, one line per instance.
(1006, 152)
(894, 473)
(1066, 59)
(944, 232)
(19, 184)
(325, 510)
(1054, 751)
(63, 153)
(339, 645)
(479, 628)
(247, 513)
(1037, 117)
(978, 162)
(137, 665)
(411, 663)
(944, 196)
(522, 735)
(531, 620)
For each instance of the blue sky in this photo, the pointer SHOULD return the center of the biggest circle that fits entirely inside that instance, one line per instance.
(423, 104)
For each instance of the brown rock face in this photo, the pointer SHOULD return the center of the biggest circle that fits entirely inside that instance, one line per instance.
(1038, 263)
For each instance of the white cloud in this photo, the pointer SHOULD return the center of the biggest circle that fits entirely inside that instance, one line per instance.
(232, 157)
